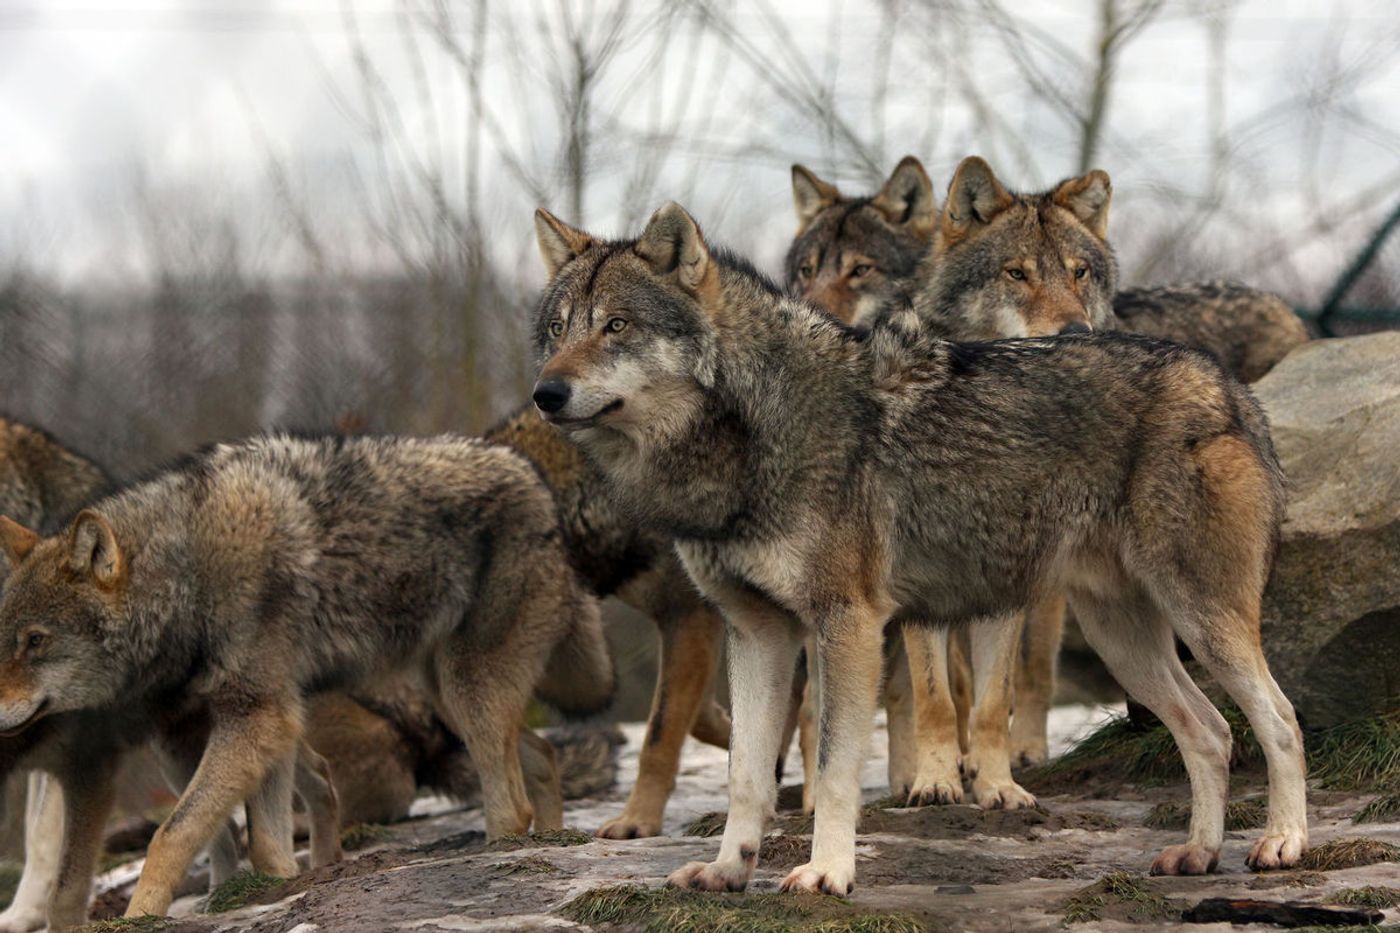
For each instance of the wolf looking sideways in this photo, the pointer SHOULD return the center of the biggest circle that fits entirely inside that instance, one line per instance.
(816, 480)
(260, 572)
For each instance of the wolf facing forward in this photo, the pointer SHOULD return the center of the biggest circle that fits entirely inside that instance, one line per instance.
(817, 480)
(858, 256)
(255, 574)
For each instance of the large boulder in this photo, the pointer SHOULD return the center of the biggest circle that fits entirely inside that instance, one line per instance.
(1331, 624)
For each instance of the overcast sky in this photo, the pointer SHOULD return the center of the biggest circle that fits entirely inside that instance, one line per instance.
(97, 99)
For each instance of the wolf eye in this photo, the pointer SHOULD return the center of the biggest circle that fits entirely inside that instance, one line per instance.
(34, 640)
(805, 271)
(1016, 274)
(861, 270)
(1081, 272)
(556, 328)
(615, 325)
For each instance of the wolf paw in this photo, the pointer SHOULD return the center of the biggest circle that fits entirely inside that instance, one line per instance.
(936, 792)
(1002, 796)
(1185, 859)
(22, 919)
(814, 879)
(626, 827)
(711, 876)
(1277, 850)
(1029, 756)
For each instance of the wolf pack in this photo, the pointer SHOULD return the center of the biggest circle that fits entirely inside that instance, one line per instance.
(888, 479)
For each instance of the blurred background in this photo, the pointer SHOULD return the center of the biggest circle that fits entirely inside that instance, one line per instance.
(218, 216)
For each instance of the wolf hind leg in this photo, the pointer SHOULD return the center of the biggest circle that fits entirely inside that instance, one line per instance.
(317, 791)
(1134, 639)
(271, 849)
(486, 709)
(542, 786)
(1227, 643)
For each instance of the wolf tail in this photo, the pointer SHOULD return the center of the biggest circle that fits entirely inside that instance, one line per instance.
(579, 679)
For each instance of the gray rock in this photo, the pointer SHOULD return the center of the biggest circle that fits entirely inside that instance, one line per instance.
(1331, 623)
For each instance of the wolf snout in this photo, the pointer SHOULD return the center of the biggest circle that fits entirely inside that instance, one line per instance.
(551, 395)
(1076, 327)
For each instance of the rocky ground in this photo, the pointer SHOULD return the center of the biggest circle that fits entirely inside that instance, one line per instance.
(955, 868)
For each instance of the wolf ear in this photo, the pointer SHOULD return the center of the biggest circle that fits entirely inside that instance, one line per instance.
(974, 197)
(672, 245)
(94, 550)
(906, 199)
(17, 540)
(560, 244)
(810, 195)
(1087, 198)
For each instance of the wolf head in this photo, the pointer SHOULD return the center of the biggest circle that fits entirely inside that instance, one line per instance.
(1013, 265)
(853, 256)
(624, 328)
(62, 600)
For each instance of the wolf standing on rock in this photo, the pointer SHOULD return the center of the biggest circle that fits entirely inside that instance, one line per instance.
(260, 572)
(820, 481)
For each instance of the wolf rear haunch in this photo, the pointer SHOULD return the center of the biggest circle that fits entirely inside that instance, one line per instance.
(818, 480)
(260, 572)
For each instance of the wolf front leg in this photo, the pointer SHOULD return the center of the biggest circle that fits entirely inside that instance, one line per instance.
(849, 655)
(763, 643)
(686, 670)
(43, 845)
(87, 800)
(937, 779)
(1035, 680)
(243, 747)
(988, 762)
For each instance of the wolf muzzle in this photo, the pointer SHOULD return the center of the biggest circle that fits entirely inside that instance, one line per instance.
(551, 395)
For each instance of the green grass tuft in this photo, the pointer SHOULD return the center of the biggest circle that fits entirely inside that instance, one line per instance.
(555, 838)
(239, 890)
(1145, 754)
(710, 824)
(358, 835)
(1368, 896)
(667, 910)
(1117, 888)
(1384, 809)
(1349, 853)
(1361, 755)
(1246, 813)
(147, 924)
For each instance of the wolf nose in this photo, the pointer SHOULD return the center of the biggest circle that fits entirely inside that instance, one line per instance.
(1076, 327)
(551, 395)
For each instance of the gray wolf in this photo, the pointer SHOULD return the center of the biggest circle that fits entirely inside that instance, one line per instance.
(817, 480)
(615, 556)
(258, 573)
(41, 482)
(856, 256)
(1248, 330)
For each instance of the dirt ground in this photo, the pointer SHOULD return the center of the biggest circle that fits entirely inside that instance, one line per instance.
(941, 868)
